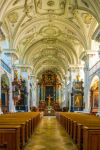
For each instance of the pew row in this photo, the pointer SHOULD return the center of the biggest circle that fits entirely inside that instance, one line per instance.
(18, 128)
(76, 123)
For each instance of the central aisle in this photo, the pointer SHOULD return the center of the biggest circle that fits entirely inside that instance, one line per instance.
(50, 135)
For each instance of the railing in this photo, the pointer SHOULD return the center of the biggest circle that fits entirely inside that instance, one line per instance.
(94, 68)
(5, 66)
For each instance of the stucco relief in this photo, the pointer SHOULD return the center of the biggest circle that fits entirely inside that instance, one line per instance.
(13, 17)
(50, 6)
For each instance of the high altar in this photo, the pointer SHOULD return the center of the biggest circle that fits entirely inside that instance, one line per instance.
(49, 86)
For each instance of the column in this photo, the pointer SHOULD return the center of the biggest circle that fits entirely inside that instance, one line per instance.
(34, 94)
(37, 97)
(98, 114)
(28, 90)
(88, 59)
(41, 91)
(66, 92)
(57, 94)
(70, 88)
(11, 101)
(69, 97)
(31, 94)
(0, 84)
(0, 94)
(86, 85)
(32, 98)
(54, 90)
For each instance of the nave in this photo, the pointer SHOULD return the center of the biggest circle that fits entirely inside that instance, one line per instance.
(50, 135)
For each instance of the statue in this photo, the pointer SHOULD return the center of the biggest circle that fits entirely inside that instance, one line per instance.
(49, 100)
(77, 101)
(78, 77)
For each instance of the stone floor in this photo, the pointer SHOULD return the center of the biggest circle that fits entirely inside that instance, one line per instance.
(50, 135)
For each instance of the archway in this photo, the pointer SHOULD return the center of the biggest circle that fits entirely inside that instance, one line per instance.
(94, 93)
(5, 93)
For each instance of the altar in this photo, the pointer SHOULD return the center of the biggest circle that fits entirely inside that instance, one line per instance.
(49, 111)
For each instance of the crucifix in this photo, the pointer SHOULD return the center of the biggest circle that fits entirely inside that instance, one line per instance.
(49, 100)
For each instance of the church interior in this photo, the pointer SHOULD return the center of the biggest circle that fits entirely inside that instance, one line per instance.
(49, 74)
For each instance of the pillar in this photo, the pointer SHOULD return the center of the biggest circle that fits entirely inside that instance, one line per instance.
(44, 92)
(86, 84)
(0, 84)
(11, 101)
(88, 59)
(98, 114)
(41, 91)
(54, 89)
(86, 90)
(28, 90)
(57, 92)
(37, 93)
(34, 94)
(0, 94)
(32, 98)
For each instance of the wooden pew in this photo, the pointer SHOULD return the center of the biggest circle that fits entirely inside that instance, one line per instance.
(91, 138)
(27, 121)
(80, 132)
(3, 147)
(10, 135)
(75, 123)
(22, 129)
(31, 120)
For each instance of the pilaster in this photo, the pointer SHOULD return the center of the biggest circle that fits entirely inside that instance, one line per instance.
(98, 114)
(11, 101)
(0, 85)
(88, 57)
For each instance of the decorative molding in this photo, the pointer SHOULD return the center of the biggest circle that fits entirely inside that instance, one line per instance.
(13, 17)
(56, 7)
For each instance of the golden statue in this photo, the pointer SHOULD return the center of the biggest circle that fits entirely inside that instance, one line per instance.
(16, 75)
(49, 100)
(77, 101)
(78, 77)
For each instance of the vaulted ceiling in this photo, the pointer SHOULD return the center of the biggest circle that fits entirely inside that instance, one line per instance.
(49, 34)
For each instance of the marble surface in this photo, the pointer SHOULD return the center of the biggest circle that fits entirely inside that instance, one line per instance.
(50, 135)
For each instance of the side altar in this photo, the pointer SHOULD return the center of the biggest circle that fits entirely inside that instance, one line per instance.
(77, 95)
